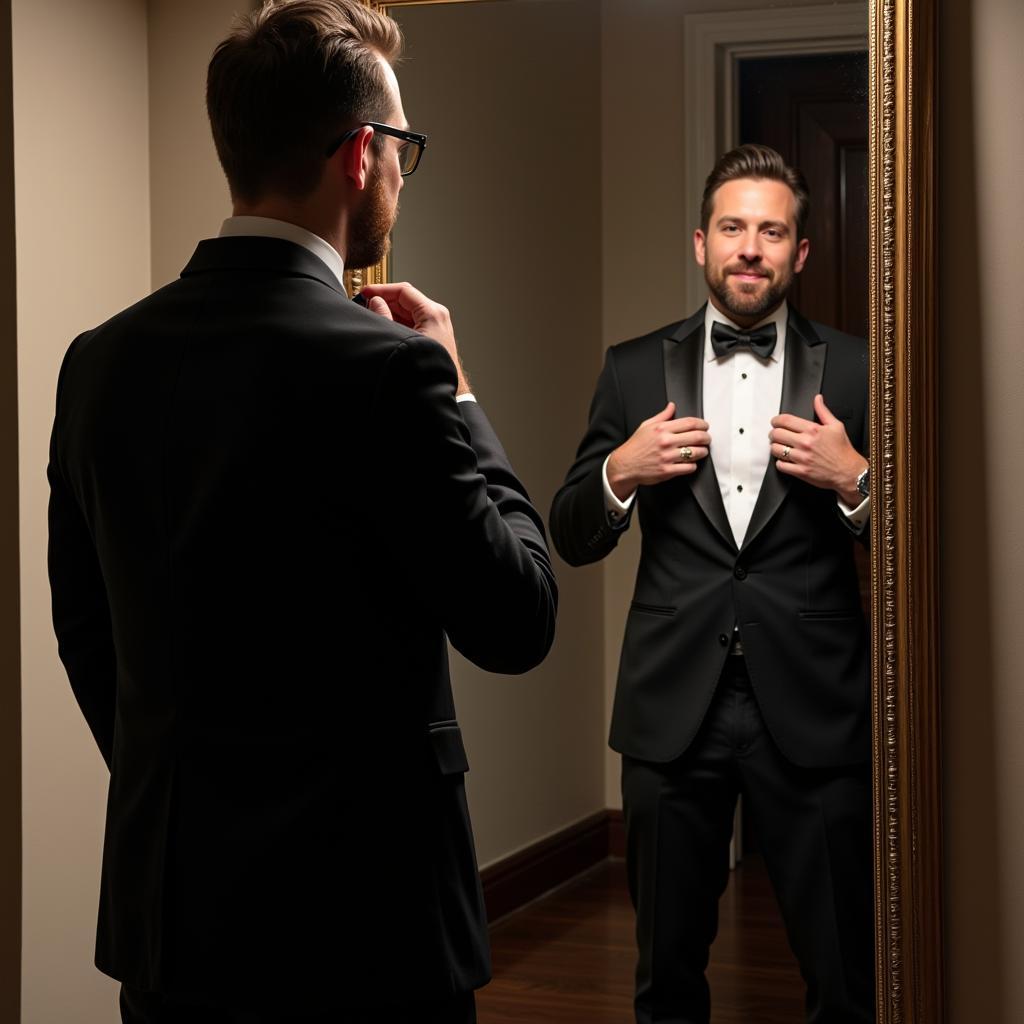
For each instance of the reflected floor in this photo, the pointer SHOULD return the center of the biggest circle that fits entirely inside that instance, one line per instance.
(569, 957)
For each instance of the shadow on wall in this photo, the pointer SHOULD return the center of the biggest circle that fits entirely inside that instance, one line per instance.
(976, 979)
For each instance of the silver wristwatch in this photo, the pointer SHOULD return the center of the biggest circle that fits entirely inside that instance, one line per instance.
(864, 483)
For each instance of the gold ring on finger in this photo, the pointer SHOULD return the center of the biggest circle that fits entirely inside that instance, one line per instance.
(785, 452)
(685, 454)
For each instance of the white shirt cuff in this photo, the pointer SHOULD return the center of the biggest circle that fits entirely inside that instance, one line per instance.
(617, 510)
(858, 516)
(467, 397)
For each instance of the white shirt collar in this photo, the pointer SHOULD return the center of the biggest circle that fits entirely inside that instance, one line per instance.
(780, 318)
(268, 227)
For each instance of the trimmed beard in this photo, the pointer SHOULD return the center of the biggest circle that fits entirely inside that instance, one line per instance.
(738, 303)
(370, 234)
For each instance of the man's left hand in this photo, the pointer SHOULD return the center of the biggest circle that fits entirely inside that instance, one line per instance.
(818, 453)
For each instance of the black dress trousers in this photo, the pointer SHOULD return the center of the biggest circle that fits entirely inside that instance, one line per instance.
(814, 828)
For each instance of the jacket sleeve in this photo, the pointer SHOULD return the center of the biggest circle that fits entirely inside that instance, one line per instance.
(861, 441)
(81, 615)
(580, 527)
(452, 511)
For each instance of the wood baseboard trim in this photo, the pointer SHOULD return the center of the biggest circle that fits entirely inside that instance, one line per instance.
(513, 882)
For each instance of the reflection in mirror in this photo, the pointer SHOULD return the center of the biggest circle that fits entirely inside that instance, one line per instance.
(553, 213)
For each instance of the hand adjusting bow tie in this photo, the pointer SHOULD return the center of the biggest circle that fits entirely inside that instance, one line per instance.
(725, 340)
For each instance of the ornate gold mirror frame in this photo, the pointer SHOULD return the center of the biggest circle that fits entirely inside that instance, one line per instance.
(904, 528)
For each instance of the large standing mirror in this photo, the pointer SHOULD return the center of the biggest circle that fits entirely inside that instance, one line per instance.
(569, 140)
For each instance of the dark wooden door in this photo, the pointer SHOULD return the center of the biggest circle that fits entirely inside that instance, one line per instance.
(814, 111)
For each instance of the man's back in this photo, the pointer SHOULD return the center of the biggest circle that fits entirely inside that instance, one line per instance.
(273, 496)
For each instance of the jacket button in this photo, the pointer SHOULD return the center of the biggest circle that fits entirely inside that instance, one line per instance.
(739, 572)
(723, 639)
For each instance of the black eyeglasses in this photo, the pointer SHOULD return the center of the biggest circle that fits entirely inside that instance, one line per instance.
(409, 152)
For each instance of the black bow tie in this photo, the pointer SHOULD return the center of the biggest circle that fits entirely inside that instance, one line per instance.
(725, 340)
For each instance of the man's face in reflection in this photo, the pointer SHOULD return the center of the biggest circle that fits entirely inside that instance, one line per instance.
(750, 250)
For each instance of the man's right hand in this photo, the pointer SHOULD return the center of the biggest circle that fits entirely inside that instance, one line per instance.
(409, 306)
(653, 454)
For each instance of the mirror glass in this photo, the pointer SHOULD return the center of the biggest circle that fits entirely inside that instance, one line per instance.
(553, 212)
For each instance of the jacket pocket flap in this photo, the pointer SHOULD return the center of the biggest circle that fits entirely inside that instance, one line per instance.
(652, 609)
(449, 749)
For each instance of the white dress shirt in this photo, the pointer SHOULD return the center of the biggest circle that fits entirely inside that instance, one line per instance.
(268, 227)
(742, 392)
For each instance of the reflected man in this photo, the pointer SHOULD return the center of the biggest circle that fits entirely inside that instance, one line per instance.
(738, 436)
(269, 507)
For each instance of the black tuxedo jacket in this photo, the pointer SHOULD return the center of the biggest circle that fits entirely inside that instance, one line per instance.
(267, 513)
(791, 587)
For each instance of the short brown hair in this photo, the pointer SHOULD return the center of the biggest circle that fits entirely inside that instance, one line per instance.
(290, 78)
(760, 163)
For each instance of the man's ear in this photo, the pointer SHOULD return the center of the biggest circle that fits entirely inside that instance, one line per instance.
(356, 158)
(803, 250)
(698, 247)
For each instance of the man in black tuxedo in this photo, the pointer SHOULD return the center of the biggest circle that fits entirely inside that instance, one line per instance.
(738, 435)
(269, 509)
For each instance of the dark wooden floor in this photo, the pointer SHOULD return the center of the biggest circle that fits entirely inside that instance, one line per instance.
(569, 958)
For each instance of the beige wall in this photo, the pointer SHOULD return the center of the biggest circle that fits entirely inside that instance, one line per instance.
(981, 321)
(10, 590)
(189, 196)
(511, 242)
(81, 167)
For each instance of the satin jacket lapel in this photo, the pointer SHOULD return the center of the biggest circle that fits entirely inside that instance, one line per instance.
(801, 381)
(684, 385)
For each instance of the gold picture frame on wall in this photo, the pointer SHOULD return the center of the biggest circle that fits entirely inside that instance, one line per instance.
(904, 527)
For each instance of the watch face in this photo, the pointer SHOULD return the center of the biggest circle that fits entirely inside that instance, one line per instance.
(864, 483)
